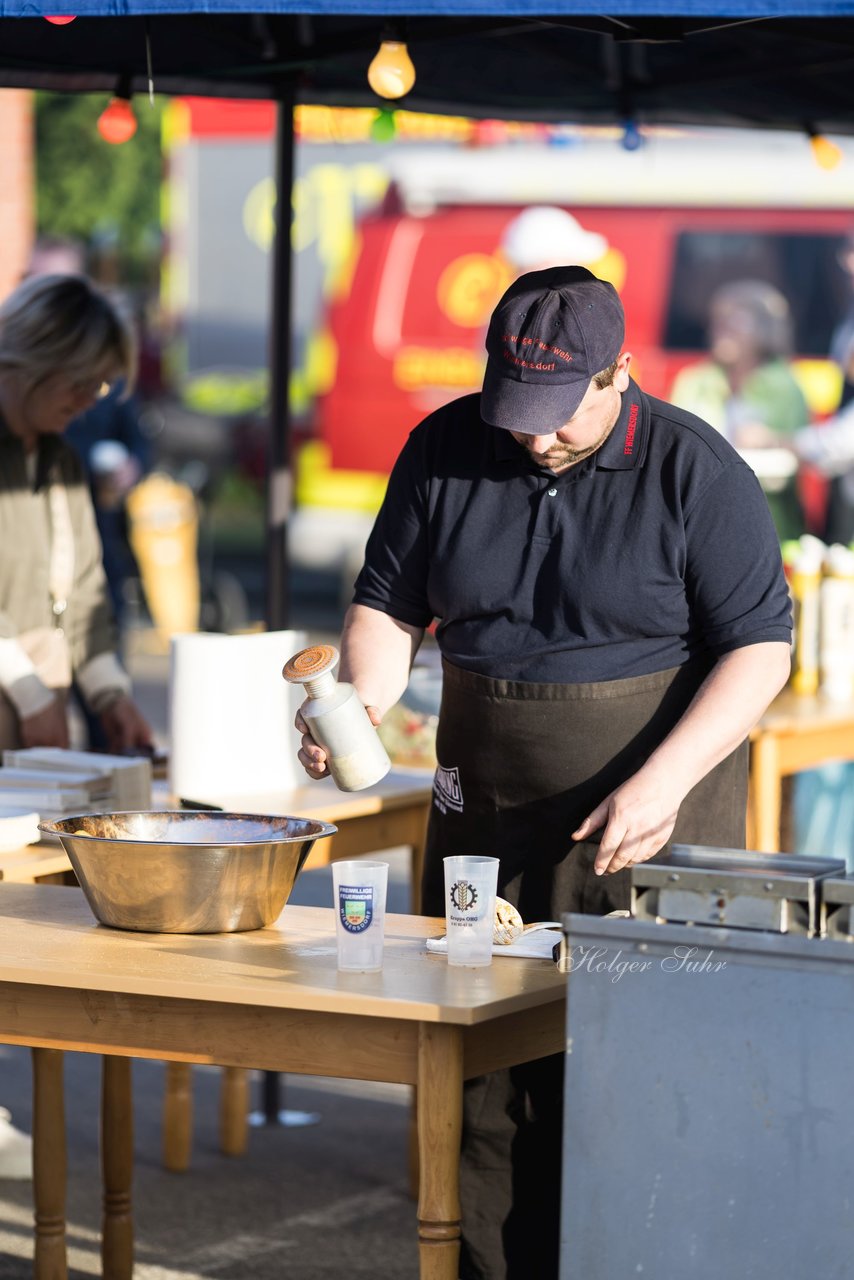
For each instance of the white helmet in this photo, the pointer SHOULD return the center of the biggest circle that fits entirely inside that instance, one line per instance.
(543, 235)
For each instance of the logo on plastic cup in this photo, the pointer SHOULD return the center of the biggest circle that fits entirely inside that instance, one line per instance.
(463, 895)
(356, 907)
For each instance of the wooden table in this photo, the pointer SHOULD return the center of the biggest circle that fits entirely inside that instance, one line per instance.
(391, 814)
(35, 863)
(272, 999)
(795, 733)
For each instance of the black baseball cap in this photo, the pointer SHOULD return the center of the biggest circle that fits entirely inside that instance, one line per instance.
(550, 333)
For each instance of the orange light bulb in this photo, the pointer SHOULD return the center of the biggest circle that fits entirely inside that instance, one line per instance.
(117, 123)
(825, 153)
(391, 74)
(60, 19)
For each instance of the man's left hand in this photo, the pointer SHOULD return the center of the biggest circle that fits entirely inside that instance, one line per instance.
(125, 725)
(638, 819)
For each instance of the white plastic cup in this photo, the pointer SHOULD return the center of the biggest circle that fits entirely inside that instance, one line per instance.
(471, 883)
(359, 900)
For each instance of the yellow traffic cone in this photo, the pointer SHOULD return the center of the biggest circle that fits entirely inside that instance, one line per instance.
(163, 530)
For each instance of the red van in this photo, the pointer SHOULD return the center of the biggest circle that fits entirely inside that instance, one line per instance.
(405, 331)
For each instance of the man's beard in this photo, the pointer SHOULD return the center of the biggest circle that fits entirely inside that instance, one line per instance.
(560, 455)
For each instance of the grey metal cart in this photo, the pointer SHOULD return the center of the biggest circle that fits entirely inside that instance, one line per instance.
(709, 1126)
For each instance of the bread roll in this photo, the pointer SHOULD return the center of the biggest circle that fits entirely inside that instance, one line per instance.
(507, 926)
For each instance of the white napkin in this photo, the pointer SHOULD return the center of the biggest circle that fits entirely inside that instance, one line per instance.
(18, 827)
(536, 943)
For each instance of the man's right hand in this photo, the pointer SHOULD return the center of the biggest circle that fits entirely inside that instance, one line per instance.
(48, 728)
(310, 755)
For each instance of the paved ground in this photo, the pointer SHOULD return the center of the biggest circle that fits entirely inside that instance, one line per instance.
(314, 1203)
(310, 1204)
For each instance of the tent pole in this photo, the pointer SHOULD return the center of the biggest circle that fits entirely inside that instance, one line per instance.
(279, 481)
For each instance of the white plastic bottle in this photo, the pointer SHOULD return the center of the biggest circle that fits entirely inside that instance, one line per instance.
(338, 720)
(836, 630)
(805, 587)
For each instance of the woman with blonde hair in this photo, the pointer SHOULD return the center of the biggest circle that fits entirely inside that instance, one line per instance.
(62, 344)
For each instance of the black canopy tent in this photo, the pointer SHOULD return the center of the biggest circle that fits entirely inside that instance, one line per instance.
(759, 64)
(763, 64)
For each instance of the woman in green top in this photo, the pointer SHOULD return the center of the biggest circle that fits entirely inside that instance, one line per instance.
(746, 389)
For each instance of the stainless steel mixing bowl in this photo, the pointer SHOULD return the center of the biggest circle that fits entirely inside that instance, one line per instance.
(188, 871)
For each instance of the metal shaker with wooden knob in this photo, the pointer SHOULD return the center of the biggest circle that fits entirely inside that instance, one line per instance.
(337, 720)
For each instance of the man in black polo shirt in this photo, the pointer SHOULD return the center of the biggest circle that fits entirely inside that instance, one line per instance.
(613, 619)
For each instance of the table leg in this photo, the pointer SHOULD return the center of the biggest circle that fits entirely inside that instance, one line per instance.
(116, 1168)
(412, 1146)
(416, 869)
(49, 1165)
(766, 793)
(178, 1117)
(233, 1111)
(416, 863)
(440, 1122)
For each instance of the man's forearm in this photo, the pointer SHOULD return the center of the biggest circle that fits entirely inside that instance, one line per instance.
(639, 817)
(377, 652)
(727, 705)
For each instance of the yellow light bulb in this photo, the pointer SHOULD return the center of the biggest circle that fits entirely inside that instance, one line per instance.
(391, 74)
(825, 153)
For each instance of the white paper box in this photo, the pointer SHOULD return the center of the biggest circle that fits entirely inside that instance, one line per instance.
(129, 776)
(232, 715)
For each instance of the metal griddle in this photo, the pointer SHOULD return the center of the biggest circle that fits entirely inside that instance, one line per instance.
(702, 885)
(837, 909)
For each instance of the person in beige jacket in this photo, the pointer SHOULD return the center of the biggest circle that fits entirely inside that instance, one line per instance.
(62, 344)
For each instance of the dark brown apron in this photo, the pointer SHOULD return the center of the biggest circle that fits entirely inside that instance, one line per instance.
(520, 765)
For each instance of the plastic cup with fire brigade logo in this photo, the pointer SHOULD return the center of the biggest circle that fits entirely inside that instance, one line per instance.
(471, 883)
(360, 893)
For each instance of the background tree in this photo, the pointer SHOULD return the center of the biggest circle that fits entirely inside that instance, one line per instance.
(106, 196)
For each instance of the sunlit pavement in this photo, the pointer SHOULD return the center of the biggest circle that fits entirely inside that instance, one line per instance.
(326, 1201)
